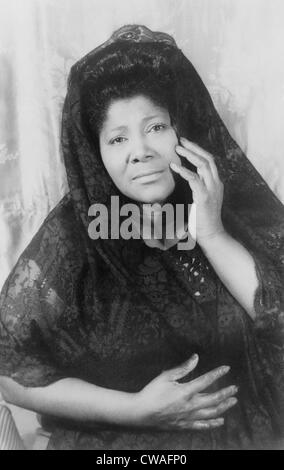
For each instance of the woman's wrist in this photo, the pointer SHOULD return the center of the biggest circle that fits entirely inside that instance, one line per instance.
(211, 238)
(123, 408)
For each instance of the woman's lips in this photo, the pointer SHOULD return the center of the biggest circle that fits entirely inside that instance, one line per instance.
(149, 176)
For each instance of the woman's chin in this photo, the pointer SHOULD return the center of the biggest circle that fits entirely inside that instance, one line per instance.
(152, 195)
(153, 198)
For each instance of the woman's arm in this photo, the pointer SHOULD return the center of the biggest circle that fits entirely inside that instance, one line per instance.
(163, 403)
(73, 399)
(231, 261)
(234, 266)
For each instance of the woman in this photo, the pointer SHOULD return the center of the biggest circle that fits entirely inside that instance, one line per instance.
(136, 344)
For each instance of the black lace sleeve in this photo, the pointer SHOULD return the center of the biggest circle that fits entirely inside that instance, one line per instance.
(27, 305)
(38, 292)
(269, 300)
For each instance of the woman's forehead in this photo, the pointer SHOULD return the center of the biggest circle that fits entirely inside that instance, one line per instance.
(139, 106)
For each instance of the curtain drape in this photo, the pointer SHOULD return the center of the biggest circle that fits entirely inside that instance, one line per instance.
(236, 45)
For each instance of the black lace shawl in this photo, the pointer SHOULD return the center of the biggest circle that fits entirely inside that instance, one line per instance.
(116, 313)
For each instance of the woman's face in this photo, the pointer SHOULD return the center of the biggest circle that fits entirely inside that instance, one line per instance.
(137, 144)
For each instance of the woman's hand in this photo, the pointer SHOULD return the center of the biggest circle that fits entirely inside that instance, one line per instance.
(227, 256)
(206, 186)
(169, 405)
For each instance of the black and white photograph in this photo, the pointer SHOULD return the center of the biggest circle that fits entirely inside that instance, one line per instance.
(142, 227)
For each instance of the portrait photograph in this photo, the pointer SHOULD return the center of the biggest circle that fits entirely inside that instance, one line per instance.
(142, 227)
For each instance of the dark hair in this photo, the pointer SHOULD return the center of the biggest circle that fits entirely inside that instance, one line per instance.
(125, 70)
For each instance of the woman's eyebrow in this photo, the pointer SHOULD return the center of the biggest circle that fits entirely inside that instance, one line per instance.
(146, 118)
(154, 116)
(118, 128)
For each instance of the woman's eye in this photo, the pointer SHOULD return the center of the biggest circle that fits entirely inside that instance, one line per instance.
(157, 127)
(117, 140)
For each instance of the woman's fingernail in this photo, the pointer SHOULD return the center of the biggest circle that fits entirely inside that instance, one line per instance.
(224, 369)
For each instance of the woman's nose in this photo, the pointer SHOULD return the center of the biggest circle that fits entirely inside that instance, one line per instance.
(140, 152)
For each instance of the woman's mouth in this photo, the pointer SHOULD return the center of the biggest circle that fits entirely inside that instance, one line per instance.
(148, 177)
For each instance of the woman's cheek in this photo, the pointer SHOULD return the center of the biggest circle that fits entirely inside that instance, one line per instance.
(172, 155)
(174, 158)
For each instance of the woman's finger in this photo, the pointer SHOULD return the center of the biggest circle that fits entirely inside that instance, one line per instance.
(203, 165)
(204, 381)
(216, 411)
(203, 153)
(205, 400)
(207, 424)
(195, 183)
(196, 149)
(183, 369)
